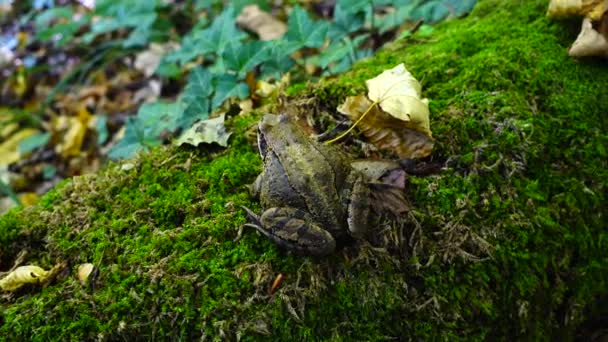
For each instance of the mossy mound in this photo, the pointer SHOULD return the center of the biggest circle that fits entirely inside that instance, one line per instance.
(509, 241)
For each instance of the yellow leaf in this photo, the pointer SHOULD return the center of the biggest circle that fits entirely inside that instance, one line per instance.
(385, 131)
(76, 130)
(21, 276)
(570, 8)
(9, 149)
(28, 198)
(398, 94)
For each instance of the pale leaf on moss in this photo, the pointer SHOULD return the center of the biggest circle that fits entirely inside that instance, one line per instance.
(206, 131)
(398, 94)
(21, 276)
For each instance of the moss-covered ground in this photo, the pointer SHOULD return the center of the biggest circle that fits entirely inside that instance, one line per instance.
(507, 242)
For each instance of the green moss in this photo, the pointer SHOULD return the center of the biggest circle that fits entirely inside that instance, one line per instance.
(508, 242)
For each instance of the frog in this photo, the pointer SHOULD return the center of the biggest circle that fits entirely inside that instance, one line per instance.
(310, 193)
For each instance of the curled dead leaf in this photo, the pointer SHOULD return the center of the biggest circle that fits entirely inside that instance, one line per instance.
(84, 271)
(23, 275)
(589, 41)
(593, 9)
(72, 130)
(385, 131)
(267, 27)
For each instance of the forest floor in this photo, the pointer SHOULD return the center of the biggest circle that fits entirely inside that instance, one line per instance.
(507, 241)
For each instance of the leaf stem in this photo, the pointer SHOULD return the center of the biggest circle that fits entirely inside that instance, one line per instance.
(353, 125)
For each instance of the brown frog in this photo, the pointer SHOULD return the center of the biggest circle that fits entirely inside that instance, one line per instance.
(310, 192)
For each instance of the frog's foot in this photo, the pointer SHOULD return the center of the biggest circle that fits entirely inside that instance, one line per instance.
(293, 229)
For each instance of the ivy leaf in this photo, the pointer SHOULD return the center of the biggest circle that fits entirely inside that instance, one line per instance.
(303, 31)
(196, 97)
(228, 86)
(242, 58)
(339, 56)
(353, 6)
(65, 29)
(436, 10)
(214, 39)
(395, 18)
(145, 130)
(124, 14)
(345, 22)
(278, 62)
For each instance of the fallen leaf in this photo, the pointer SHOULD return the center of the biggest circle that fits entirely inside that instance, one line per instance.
(266, 89)
(148, 93)
(147, 61)
(593, 9)
(398, 94)
(28, 198)
(206, 131)
(9, 149)
(385, 131)
(589, 42)
(84, 270)
(21, 276)
(73, 131)
(267, 27)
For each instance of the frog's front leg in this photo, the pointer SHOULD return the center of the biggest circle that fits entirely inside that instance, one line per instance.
(293, 229)
(356, 198)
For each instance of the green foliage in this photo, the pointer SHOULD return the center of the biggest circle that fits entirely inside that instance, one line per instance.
(129, 14)
(64, 30)
(143, 131)
(302, 31)
(210, 41)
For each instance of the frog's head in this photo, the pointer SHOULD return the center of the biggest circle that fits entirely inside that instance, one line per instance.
(271, 132)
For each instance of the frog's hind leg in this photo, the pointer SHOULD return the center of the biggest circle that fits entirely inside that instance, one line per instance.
(293, 229)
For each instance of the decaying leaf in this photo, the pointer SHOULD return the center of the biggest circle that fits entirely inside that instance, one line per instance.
(398, 94)
(9, 149)
(23, 275)
(267, 89)
(206, 131)
(267, 27)
(592, 9)
(73, 130)
(589, 42)
(147, 61)
(84, 271)
(385, 131)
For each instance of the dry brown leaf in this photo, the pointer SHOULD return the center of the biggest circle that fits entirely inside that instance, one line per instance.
(147, 61)
(593, 9)
(589, 42)
(386, 132)
(267, 27)
(23, 275)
